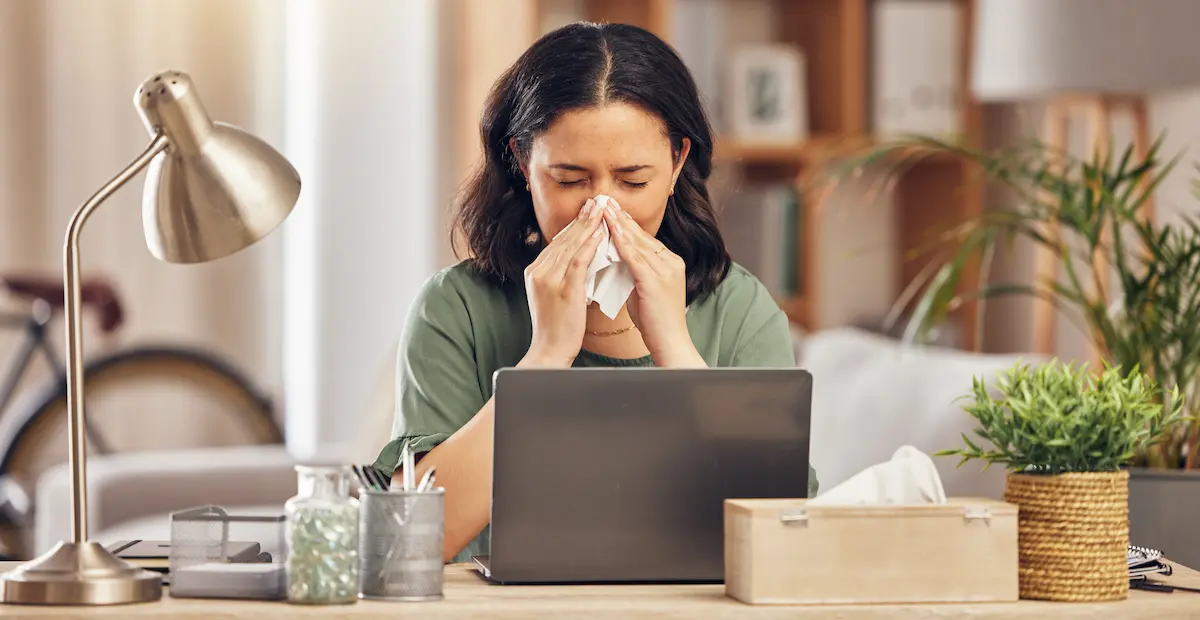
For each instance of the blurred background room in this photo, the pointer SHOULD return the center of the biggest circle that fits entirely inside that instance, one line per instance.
(376, 104)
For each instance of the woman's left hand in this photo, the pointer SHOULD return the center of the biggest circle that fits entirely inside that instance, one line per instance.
(658, 305)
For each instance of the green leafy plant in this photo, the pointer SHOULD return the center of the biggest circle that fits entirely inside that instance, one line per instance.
(1085, 213)
(1057, 418)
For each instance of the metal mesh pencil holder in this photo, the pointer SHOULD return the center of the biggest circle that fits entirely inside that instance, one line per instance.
(400, 545)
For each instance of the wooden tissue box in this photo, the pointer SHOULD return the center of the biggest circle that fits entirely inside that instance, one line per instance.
(780, 552)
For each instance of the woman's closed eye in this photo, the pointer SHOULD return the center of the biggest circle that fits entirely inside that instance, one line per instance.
(571, 183)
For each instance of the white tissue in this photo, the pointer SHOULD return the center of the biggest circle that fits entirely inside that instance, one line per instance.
(910, 477)
(609, 281)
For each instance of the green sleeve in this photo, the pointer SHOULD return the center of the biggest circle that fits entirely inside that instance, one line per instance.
(437, 386)
(765, 341)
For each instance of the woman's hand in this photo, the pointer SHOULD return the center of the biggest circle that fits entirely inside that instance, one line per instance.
(556, 285)
(658, 305)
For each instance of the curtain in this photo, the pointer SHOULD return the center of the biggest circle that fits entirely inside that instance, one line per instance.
(68, 71)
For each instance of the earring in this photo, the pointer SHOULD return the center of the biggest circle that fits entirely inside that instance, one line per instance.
(527, 186)
(672, 192)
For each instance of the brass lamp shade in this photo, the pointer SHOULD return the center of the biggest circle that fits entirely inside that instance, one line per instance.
(216, 189)
(212, 189)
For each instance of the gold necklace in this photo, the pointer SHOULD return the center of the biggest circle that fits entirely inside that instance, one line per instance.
(612, 333)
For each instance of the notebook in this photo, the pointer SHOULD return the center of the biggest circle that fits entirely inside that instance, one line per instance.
(1144, 562)
(155, 555)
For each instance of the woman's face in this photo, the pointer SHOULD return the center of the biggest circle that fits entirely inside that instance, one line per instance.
(616, 149)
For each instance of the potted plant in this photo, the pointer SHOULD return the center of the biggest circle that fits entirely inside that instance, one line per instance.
(1064, 434)
(1149, 316)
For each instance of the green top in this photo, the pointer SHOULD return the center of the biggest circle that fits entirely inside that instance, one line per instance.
(462, 328)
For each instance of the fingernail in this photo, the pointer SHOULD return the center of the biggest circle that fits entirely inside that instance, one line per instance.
(586, 210)
(596, 234)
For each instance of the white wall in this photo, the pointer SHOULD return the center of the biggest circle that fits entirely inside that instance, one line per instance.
(361, 114)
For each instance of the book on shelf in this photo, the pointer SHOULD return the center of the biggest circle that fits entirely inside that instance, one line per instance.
(915, 81)
(761, 225)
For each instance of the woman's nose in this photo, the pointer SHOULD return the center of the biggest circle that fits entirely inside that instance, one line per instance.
(606, 187)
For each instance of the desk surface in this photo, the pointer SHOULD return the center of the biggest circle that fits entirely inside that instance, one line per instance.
(468, 596)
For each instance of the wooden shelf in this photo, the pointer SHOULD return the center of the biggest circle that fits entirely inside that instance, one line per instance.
(812, 151)
(835, 38)
(749, 153)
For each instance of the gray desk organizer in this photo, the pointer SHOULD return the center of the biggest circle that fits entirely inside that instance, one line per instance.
(218, 555)
(400, 545)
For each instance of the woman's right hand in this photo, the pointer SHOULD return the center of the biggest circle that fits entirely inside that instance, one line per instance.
(556, 285)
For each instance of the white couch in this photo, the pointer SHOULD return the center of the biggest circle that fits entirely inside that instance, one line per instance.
(870, 396)
(131, 496)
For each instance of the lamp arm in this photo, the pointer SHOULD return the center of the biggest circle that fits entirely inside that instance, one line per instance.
(76, 438)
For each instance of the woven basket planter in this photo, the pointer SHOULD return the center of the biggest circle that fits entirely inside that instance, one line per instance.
(1072, 535)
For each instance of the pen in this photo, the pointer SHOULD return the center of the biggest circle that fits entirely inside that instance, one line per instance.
(372, 475)
(364, 482)
(409, 464)
(1154, 586)
(426, 480)
(381, 480)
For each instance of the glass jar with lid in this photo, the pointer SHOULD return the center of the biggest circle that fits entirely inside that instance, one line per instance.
(322, 537)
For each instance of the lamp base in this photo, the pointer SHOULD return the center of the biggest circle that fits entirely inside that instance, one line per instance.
(79, 574)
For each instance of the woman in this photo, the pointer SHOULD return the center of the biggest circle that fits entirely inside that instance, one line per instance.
(588, 110)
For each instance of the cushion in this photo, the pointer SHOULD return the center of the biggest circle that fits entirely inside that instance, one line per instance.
(873, 394)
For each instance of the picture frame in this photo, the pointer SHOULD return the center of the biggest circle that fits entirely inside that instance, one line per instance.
(767, 100)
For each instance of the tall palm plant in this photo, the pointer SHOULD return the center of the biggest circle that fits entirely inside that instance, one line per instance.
(1150, 321)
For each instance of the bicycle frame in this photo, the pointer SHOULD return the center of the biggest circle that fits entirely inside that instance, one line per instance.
(34, 326)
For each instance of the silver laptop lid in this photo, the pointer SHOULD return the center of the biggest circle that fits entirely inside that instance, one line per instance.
(618, 474)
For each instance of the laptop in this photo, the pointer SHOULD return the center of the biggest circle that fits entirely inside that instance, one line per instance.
(619, 475)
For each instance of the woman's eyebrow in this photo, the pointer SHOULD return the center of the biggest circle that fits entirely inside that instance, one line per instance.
(571, 167)
(578, 168)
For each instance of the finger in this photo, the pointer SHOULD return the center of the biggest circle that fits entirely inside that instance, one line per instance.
(548, 253)
(584, 226)
(583, 229)
(564, 232)
(574, 230)
(625, 230)
(627, 226)
(628, 247)
(651, 247)
(633, 240)
(580, 256)
(575, 275)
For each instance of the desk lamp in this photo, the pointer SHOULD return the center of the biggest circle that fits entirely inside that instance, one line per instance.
(211, 190)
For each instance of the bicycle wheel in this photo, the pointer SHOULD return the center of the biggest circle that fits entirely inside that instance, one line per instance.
(148, 398)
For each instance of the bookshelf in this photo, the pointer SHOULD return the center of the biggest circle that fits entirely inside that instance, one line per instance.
(835, 37)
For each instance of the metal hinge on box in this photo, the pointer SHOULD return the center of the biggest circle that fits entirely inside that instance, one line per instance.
(975, 513)
(799, 517)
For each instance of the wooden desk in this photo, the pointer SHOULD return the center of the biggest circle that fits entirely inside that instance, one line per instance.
(467, 596)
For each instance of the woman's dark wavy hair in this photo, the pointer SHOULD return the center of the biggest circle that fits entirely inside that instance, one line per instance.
(578, 66)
